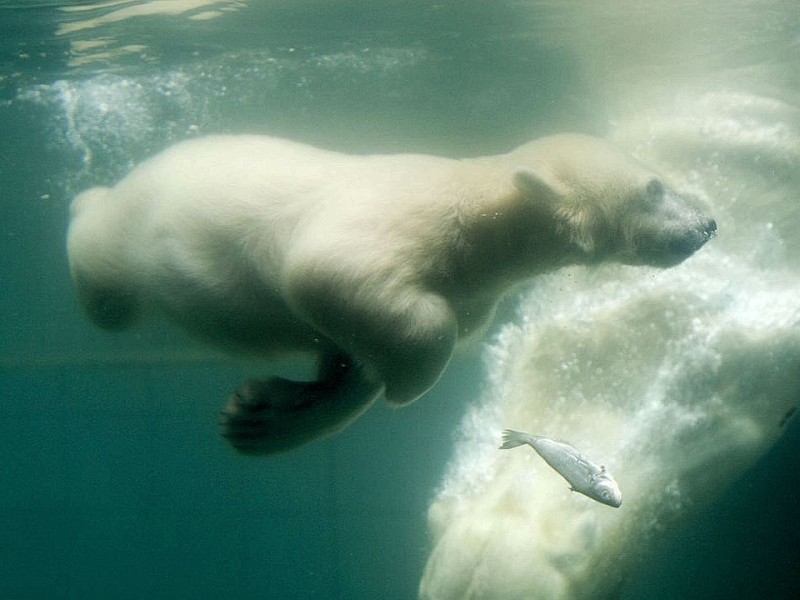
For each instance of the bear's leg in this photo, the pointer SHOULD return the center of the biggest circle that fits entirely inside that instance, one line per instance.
(108, 305)
(277, 414)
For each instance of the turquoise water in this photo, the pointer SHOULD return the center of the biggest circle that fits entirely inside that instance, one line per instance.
(115, 483)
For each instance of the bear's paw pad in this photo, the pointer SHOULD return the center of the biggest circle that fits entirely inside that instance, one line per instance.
(261, 413)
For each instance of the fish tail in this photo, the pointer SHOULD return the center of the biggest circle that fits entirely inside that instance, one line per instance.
(512, 439)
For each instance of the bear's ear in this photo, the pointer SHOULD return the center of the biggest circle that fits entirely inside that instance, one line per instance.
(532, 185)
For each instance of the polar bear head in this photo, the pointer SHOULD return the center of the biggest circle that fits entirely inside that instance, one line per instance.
(610, 206)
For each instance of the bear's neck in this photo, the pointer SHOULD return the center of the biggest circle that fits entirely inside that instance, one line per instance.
(504, 244)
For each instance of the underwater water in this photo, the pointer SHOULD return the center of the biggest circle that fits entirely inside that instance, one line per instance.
(115, 482)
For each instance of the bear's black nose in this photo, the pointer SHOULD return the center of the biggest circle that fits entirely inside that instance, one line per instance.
(711, 228)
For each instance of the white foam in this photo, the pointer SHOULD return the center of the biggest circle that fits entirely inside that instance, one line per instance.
(678, 380)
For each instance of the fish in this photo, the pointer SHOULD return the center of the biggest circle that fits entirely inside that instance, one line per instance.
(583, 476)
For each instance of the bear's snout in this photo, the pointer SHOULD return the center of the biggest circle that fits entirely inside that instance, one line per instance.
(684, 246)
(668, 248)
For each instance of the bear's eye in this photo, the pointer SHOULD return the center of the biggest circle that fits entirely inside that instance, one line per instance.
(655, 189)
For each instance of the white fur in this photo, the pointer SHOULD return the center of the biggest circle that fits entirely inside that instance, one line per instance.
(263, 246)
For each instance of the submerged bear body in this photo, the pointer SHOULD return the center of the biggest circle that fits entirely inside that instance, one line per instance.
(377, 265)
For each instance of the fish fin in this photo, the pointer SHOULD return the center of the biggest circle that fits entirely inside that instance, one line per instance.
(512, 439)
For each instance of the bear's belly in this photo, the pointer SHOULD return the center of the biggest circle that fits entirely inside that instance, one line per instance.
(245, 318)
(264, 335)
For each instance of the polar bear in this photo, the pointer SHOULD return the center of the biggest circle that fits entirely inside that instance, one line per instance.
(375, 265)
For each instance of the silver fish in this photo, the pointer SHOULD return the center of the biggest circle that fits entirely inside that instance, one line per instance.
(583, 475)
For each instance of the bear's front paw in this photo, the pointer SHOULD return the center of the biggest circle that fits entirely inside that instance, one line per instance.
(275, 415)
(262, 416)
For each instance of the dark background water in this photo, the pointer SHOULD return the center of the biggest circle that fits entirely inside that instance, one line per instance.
(113, 481)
